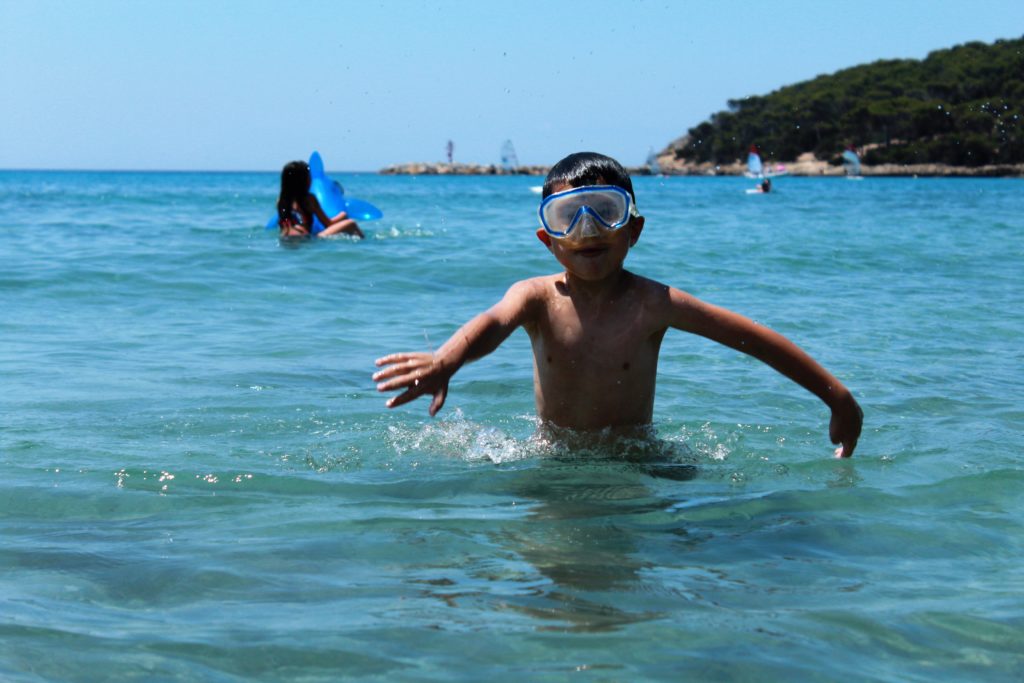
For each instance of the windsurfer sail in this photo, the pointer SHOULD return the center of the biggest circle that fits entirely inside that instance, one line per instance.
(653, 167)
(851, 162)
(509, 160)
(755, 169)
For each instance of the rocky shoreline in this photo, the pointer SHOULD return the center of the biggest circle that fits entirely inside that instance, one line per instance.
(810, 166)
(806, 165)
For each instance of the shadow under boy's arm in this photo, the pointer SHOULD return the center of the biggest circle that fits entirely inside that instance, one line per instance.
(741, 333)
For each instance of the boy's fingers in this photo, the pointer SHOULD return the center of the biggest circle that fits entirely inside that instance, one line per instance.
(390, 358)
(410, 380)
(390, 385)
(388, 372)
(400, 357)
(438, 401)
(412, 367)
(407, 371)
(402, 398)
(397, 371)
(846, 450)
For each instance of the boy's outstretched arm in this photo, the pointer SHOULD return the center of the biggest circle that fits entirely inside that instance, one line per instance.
(420, 373)
(741, 333)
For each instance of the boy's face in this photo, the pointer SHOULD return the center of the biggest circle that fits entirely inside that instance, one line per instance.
(596, 253)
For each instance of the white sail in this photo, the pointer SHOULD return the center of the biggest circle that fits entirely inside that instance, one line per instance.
(509, 160)
(652, 162)
(851, 162)
(755, 169)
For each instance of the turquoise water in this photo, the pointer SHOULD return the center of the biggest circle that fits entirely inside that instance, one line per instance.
(198, 480)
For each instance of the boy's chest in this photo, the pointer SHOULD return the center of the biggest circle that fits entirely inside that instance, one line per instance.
(612, 337)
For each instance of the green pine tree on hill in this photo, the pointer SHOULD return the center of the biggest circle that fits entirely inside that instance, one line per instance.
(962, 106)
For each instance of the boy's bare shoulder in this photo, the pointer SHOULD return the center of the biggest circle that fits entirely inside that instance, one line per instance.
(547, 287)
(544, 290)
(667, 303)
(650, 290)
(535, 288)
(526, 299)
(656, 288)
(645, 284)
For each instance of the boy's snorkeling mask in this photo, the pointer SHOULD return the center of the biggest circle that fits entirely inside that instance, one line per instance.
(583, 211)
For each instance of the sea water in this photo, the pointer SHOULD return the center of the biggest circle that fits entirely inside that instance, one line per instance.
(198, 480)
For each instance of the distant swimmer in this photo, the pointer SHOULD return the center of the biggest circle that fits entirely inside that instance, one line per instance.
(763, 188)
(596, 328)
(296, 207)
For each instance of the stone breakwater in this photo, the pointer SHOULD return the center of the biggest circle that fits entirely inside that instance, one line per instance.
(422, 168)
(808, 165)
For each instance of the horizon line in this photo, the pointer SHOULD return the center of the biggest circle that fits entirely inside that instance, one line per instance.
(150, 170)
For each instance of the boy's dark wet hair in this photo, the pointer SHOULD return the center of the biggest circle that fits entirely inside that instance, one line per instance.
(588, 168)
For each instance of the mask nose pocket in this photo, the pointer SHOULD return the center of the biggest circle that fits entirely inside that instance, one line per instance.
(587, 225)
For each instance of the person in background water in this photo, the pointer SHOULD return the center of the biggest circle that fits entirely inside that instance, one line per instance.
(596, 328)
(766, 185)
(296, 207)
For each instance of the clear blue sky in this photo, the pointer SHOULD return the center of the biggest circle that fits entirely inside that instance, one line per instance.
(249, 85)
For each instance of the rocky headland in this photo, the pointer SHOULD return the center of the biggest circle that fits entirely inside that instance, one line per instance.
(959, 112)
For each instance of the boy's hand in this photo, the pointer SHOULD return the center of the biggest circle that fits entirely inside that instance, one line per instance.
(417, 373)
(847, 418)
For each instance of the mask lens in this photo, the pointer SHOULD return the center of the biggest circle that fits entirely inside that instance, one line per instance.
(562, 212)
(609, 208)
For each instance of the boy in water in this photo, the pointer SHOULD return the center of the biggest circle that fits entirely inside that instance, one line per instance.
(596, 328)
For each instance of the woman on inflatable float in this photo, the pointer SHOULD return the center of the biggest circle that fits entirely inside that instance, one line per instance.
(297, 207)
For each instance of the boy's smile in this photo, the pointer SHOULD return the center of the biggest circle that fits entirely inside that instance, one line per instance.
(592, 252)
(594, 258)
